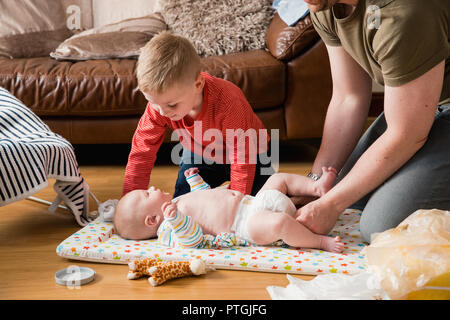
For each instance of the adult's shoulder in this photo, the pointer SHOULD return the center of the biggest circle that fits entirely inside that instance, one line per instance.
(413, 10)
(412, 37)
(323, 22)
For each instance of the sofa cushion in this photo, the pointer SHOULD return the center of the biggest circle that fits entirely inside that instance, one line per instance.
(31, 28)
(109, 87)
(123, 39)
(60, 88)
(218, 27)
(261, 77)
(285, 42)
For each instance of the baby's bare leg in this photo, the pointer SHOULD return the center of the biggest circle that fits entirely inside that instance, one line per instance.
(276, 181)
(266, 227)
(298, 185)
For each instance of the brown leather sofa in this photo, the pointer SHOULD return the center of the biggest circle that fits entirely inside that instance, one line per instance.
(98, 102)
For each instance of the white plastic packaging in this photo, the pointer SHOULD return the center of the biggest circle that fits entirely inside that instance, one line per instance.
(400, 260)
(363, 286)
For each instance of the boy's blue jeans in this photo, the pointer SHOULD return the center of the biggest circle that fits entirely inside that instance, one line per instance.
(214, 174)
(422, 183)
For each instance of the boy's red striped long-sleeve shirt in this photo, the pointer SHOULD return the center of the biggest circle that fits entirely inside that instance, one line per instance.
(224, 108)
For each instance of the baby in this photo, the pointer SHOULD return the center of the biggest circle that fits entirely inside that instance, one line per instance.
(261, 220)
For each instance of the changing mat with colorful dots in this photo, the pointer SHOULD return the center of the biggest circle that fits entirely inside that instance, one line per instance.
(97, 242)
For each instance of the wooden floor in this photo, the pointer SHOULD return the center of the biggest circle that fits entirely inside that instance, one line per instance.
(29, 235)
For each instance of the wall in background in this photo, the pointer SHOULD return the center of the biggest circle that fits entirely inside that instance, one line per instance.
(78, 14)
(111, 11)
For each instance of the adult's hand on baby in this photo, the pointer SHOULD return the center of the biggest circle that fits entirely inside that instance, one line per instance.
(169, 209)
(318, 216)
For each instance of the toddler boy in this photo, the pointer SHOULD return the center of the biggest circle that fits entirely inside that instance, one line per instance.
(183, 98)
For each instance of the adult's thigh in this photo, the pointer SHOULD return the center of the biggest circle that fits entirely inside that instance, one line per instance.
(377, 128)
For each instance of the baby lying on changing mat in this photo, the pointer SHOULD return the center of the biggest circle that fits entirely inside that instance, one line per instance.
(217, 217)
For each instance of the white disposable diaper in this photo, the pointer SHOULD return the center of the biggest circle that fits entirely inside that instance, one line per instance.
(272, 200)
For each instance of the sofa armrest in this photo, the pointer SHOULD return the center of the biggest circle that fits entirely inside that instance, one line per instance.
(285, 42)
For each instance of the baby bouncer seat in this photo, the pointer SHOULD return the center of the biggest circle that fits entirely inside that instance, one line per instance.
(30, 154)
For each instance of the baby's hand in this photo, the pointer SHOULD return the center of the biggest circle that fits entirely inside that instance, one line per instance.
(190, 172)
(169, 209)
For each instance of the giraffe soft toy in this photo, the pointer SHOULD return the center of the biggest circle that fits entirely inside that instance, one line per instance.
(139, 268)
(161, 271)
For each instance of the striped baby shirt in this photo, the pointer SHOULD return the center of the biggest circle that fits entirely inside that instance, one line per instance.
(197, 183)
(182, 231)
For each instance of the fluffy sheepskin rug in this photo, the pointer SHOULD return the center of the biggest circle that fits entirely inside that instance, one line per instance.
(218, 27)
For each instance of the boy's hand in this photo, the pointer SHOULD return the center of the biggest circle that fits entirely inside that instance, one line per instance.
(191, 171)
(169, 209)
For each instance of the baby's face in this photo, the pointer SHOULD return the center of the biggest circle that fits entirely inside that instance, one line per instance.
(149, 201)
(140, 213)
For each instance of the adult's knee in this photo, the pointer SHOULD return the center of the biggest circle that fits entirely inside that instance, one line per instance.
(367, 228)
(370, 225)
(379, 218)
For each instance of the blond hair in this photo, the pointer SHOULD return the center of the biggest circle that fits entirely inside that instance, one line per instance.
(166, 60)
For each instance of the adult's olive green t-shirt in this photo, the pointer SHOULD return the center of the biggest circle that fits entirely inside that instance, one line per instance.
(395, 41)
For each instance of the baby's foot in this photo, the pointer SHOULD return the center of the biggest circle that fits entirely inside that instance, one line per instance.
(331, 244)
(326, 181)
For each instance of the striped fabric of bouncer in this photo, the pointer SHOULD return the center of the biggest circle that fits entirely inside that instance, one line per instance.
(30, 153)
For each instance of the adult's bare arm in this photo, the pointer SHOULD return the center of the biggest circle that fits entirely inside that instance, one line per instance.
(346, 114)
(409, 112)
(347, 111)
